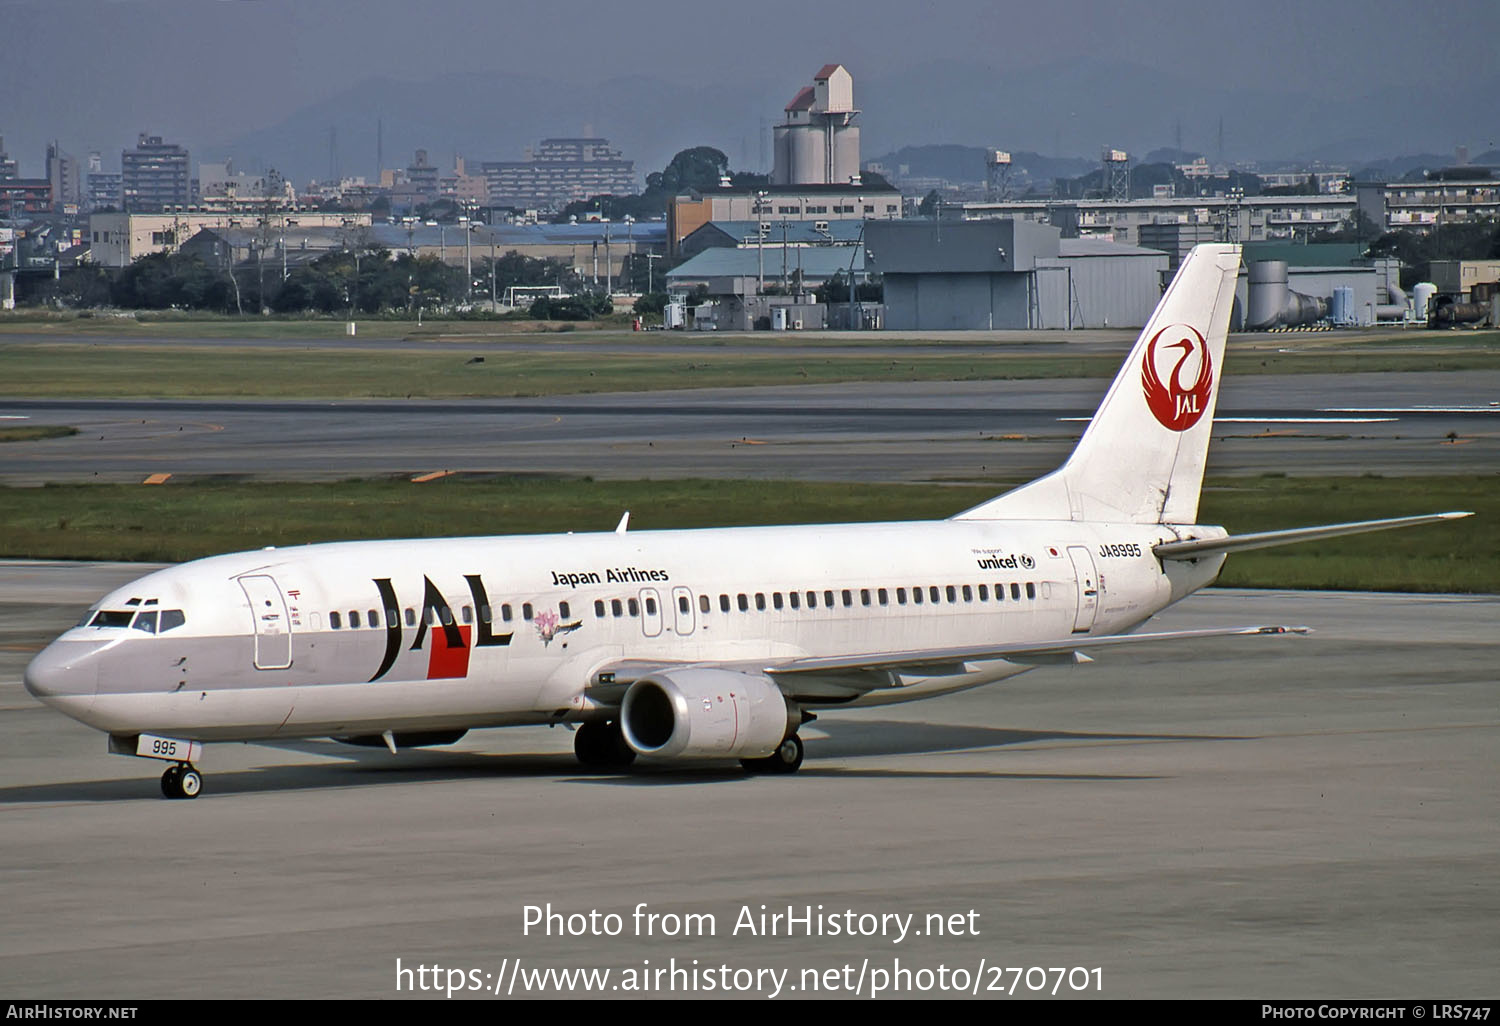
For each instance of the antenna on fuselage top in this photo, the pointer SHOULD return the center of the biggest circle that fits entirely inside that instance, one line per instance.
(623, 524)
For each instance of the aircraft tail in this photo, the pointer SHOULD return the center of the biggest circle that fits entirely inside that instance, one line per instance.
(1141, 458)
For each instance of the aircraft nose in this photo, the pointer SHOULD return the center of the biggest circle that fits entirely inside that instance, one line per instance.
(64, 674)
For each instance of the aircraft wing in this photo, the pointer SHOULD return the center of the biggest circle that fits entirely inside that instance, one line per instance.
(936, 660)
(845, 676)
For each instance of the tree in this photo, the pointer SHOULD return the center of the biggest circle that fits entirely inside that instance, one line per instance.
(930, 205)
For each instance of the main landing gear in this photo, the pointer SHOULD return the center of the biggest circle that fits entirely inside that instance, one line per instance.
(602, 746)
(786, 759)
(181, 781)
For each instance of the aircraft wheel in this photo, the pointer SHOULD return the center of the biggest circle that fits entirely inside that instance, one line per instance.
(189, 783)
(171, 782)
(786, 759)
(788, 756)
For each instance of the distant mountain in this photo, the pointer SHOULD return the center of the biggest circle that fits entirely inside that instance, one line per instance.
(496, 116)
(1074, 107)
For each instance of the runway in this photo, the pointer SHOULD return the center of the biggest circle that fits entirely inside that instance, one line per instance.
(1289, 817)
(1394, 424)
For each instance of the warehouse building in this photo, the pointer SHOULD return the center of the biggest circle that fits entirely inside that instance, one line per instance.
(1008, 274)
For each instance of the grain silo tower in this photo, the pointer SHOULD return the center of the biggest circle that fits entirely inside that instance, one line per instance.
(818, 143)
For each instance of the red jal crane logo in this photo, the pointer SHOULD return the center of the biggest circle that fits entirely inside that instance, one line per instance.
(1176, 405)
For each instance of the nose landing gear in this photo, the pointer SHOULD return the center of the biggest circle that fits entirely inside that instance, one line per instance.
(181, 781)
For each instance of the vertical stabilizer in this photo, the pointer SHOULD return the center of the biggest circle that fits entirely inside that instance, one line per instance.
(1141, 458)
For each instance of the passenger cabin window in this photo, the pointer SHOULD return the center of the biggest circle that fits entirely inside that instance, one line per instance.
(467, 614)
(968, 594)
(776, 599)
(373, 618)
(634, 606)
(703, 603)
(505, 613)
(812, 600)
(392, 617)
(900, 596)
(334, 621)
(598, 608)
(848, 597)
(828, 599)
(864, 596)
(564, 610)
(760, 601)
(883, 596)
(744, 603)
(650, 606)
(795, 599)
(916, 596)
(1030, 590)
(445, 613)
(984, 593)
(952, 593)
(526, 611)
(411, 617)
(354, 618)
(1015, 591)
(933, 596)
(684, 606)
(616, 608)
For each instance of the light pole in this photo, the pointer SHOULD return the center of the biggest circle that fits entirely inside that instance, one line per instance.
(468, 268)
(630, 253)
(609, 268)
(760, 242)
(492, 270)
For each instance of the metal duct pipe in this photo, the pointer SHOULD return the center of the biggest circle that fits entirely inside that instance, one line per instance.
(1273, 305)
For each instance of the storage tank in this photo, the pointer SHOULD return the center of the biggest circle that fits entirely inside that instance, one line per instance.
(1422, 294)
(1342, 310)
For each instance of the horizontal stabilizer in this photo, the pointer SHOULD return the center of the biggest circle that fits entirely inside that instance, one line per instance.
(1196, 548)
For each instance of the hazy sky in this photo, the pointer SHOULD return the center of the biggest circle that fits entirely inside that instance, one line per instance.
(93, 73)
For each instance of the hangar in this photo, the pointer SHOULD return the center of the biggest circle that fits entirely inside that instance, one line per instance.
(1008, 274)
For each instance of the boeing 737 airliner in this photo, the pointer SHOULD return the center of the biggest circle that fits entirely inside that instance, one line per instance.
(703, 644)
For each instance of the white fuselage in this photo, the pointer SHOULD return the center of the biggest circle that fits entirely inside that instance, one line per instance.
(356, 638)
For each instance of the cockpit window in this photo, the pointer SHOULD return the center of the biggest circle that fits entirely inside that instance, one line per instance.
(86, 618)
(145, 622)
(112, 618)
(171, 618)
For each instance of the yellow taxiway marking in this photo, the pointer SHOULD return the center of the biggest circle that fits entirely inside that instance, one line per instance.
(157, 479)
(424, 478)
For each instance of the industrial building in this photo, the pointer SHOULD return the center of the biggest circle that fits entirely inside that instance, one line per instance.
(596, 251)
(778, 232)
(1283, 286)
(1008, 274)
(1458, 278)
(818, 142)
(688, 212)
(118, 238)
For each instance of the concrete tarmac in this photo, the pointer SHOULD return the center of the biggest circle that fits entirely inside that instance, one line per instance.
(1274, 817)
(1393, 424)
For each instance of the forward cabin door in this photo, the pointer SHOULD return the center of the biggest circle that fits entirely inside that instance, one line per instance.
(1088, 588)
(273, 631)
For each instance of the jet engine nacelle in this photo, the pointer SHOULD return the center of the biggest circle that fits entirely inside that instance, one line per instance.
(701, 712)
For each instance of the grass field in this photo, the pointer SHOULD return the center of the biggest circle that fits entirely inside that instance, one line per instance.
(184, 521)
(72, 369)
(35, 433)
